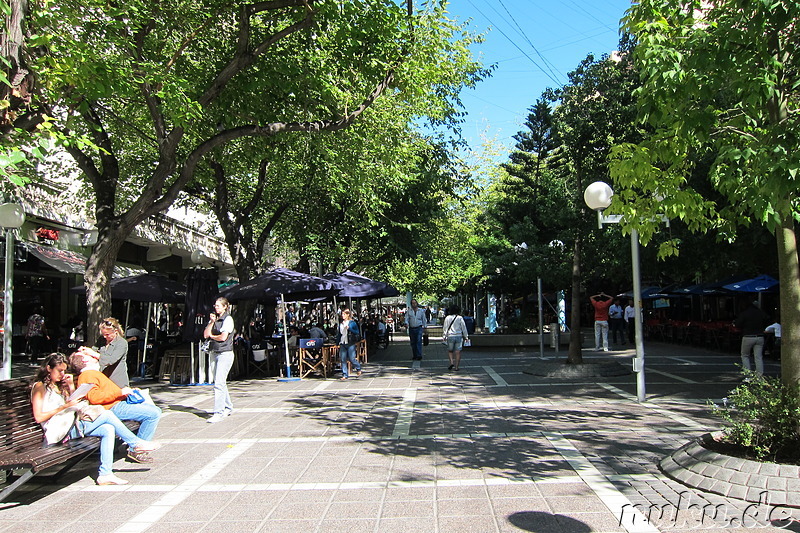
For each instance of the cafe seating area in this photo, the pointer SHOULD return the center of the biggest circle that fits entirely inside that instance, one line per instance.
(309, 359)
(716, 335)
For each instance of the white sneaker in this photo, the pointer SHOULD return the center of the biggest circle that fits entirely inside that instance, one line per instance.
(216, 418)
(605, 349)
(227, 412)
(111, 479)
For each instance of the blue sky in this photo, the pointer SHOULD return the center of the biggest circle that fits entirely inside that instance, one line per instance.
(534, 44)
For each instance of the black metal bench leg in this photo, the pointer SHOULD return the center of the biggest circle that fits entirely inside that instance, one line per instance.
(16, 484)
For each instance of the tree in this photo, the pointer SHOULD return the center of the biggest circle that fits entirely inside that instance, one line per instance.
(719, 80)
(348, 199)
(595, 111)
(159, 87)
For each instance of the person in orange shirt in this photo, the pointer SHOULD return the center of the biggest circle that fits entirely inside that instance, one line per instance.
(106, 393)
(601, 302)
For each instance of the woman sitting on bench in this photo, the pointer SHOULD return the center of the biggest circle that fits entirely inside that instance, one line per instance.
(49, 397)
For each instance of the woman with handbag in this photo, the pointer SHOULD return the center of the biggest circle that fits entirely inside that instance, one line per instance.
(348, 336)
(455, 333)
(61, 417)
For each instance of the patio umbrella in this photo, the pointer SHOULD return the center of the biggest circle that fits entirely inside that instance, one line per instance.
(150, 288)
(282, 285)
(761, 283)
(201, 292)
(353, 285)
(270, 286)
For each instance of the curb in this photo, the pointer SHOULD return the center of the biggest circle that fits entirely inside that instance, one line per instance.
(698, 467)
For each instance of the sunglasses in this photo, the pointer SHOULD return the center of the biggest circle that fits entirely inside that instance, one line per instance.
(108, 323)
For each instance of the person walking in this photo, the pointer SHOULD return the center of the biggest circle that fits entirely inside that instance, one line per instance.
(752, 322)
(347, 338)
(601, 302)
(455, 333)
(114, 352)
(35, 335)
(616, 322)
(415, 320)
(220, 332)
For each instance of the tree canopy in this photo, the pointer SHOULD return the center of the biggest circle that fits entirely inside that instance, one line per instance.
(720, 82)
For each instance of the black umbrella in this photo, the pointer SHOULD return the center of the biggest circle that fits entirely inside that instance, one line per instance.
(200, 295)
(353, 285)
(270, 286)
(152, 288)
(281, 285)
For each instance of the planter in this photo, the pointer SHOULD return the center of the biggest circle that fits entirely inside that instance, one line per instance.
(698, 467)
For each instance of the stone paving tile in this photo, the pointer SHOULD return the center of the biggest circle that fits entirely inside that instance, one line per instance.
(614, 435)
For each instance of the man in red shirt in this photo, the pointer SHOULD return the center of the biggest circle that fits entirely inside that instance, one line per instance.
(601, 302)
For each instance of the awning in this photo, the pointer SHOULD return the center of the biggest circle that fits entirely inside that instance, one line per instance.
(62, 260)
(73, 262)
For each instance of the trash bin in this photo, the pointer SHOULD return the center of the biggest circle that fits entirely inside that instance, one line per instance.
(470, 323)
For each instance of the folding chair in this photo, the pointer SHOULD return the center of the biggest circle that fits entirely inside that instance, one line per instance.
(310, 359)
(259, 362)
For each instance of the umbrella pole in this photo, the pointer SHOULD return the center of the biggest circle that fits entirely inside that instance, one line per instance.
(288, 376)
(127, 314)
(146, 338)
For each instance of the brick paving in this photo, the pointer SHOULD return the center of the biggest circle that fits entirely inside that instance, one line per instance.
(412, 447)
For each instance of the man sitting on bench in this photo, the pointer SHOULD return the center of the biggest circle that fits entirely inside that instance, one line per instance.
(87, 362)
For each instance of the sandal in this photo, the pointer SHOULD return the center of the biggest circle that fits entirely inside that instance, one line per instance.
(342, 379)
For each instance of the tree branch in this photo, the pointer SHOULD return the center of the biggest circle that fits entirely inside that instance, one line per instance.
(243, 59)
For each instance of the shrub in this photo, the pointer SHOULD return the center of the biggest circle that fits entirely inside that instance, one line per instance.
(762, 415)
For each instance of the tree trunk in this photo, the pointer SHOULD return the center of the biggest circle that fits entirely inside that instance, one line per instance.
(575, 357)
(99, 270)
(789, 274)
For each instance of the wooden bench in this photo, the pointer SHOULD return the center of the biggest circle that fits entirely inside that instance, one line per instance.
(22, 439)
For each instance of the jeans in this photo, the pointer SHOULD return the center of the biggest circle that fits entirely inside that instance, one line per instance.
(107, 426)
(146, 414)
(222, 399)
(756, 345)
(601, 330)
(415, 336)
(347, 352)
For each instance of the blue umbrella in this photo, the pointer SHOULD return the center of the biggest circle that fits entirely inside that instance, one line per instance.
(761, 283)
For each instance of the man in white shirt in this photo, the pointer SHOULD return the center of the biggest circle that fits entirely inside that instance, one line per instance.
(415, 320)
(616, 322)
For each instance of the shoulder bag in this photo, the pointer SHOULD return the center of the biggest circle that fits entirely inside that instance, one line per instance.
(58, 426)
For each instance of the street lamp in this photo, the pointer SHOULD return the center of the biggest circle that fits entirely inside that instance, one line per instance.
(11, 217)
(598, 197)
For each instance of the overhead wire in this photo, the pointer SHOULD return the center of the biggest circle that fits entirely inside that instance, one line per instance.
(549, 65)
(556, 81)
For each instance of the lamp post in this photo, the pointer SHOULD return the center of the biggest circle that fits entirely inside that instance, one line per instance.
(11, 217)
(598, 197)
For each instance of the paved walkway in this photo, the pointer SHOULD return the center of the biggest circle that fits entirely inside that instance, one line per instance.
(411, 447)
